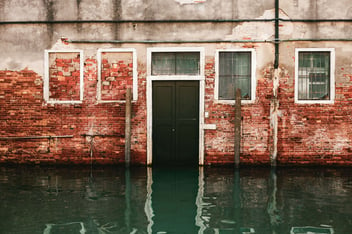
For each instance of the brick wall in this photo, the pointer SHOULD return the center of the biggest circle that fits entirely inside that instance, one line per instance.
(316, 133)
(116, 75)
(256, 133)
(307, 133)
(25, 113)
(64, 72)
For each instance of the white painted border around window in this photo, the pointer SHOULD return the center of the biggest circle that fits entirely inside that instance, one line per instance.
(47, 77)
(253, 76)
(151, 78)
(332, 75)
(134, 71)
(175, 49)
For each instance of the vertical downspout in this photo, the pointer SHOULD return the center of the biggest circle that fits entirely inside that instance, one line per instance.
(277, 39)
(274, 104)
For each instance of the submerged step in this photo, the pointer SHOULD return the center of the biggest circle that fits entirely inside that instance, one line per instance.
(312, 230)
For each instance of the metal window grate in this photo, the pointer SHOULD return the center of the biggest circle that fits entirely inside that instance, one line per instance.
(234, 72)
(175, 63)
(314, 76)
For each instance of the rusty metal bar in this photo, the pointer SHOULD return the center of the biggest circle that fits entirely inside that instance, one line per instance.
(34, 137)
(101, 135)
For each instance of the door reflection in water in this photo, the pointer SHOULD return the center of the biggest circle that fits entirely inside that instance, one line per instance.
(175, 200)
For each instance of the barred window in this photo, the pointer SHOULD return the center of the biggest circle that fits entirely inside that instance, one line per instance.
(235, 71)
(314, 75)
(175, 63)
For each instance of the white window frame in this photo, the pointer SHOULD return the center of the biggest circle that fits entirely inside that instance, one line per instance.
(134, 73)
(332, 75)
(150, 78)
(47, 77)
(176, 49)
(253, 76)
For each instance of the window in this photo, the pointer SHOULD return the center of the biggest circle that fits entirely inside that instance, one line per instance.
(117, 71)
(235, 69)
(314, 81)
(63, 77)
(175, 63)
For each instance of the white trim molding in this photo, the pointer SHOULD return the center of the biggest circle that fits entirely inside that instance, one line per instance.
(151, 78)
(134, 72)
(253, 75)
(46, 91)
(332, 75)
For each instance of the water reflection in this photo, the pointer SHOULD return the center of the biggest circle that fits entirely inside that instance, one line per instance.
(174, 192)
(175, 200)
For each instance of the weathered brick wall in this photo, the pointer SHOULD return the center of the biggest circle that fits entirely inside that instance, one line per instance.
(314, 134)
(256, 133)
(116, 75)
(318, 134)
(307, 133)
(25, 113)
(64, 72)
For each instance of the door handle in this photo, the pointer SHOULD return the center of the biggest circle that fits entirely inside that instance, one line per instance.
(173, 129)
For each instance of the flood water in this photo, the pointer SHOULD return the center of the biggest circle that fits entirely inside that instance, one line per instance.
(107, 200)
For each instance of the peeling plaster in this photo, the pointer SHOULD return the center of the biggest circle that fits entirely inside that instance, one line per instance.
(182, 2)
(14, 65)
(274, 106)
(274, 115)
(260, 31)
(60, 44)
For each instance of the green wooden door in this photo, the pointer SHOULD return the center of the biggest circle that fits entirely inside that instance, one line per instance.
(175, 122)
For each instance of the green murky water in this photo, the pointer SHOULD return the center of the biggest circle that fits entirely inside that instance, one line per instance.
(175, 200)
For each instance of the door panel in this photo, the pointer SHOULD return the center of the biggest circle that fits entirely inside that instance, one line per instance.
(175, 122)
(187, 123)
(163, 121)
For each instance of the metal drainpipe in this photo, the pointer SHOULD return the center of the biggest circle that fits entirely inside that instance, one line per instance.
(65, 40)
(316, 39)
(205, 41)
(135, 21)
(316, 20)
(171, 21)
(277, 39)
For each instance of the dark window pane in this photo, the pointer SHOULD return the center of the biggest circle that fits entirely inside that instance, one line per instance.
(314, 76)
(187, 63)
(163, 63)
(175, 63)
(234, 72)
(318, 85)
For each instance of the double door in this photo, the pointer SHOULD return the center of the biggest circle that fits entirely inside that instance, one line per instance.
(175, 122)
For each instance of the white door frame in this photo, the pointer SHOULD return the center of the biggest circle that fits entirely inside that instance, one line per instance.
(151, 78)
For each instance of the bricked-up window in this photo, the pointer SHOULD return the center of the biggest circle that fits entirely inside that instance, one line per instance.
(235, 69)
(117, 71)
(175, 63)
(314, 75)
(63, 82)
